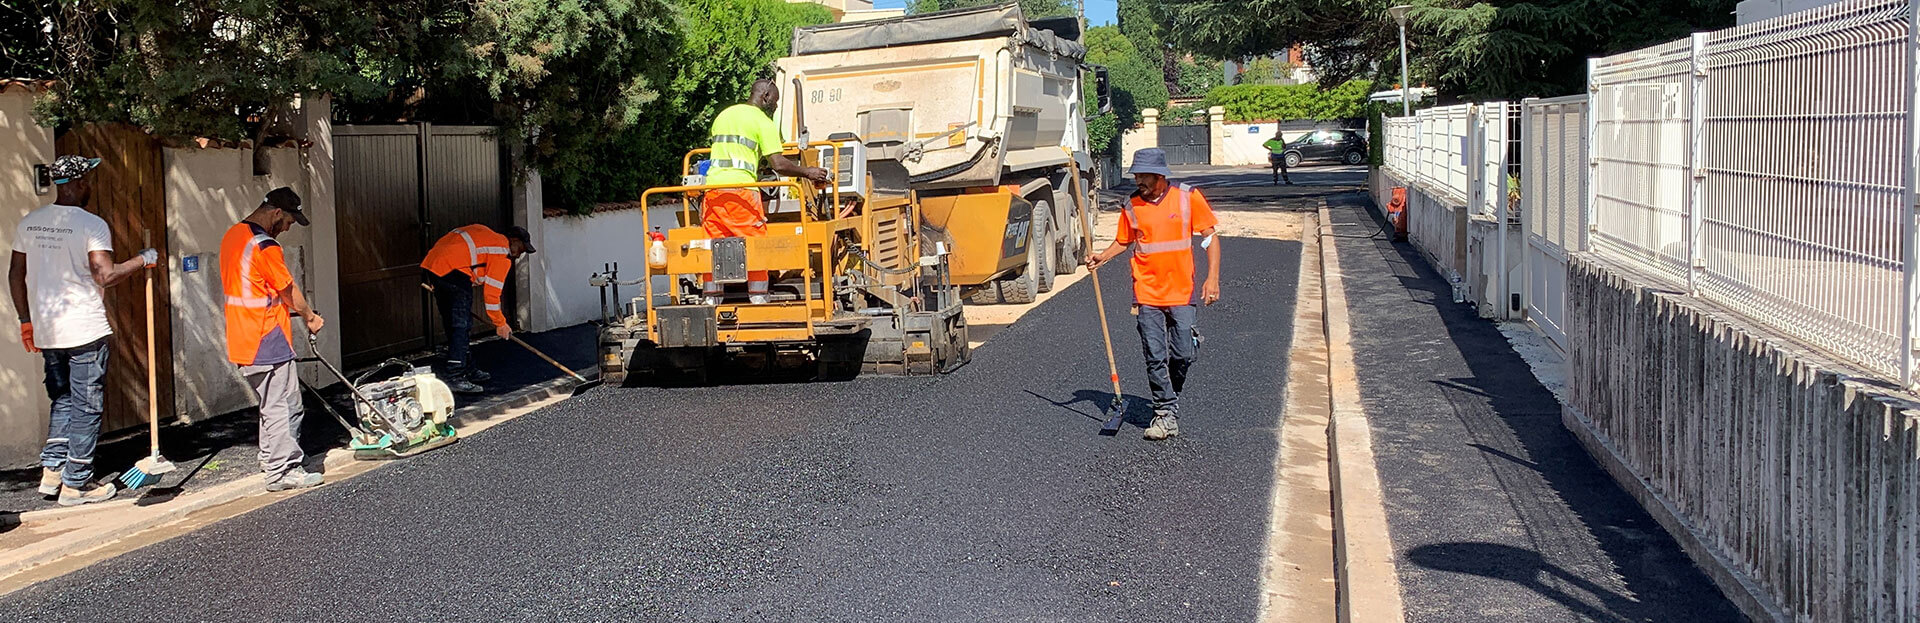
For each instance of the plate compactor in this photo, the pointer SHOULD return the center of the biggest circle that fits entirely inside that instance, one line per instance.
(395, 418)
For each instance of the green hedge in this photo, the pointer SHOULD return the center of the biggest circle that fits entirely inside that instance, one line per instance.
(1256, 102)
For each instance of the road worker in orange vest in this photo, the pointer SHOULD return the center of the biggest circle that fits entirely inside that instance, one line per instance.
(470, 256)
(1159, 224)
(742, 135)
(261, 301)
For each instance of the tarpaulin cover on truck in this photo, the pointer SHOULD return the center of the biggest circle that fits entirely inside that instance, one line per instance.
(956, 25)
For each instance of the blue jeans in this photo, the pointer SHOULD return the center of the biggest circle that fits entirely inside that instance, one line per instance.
(1170, 340)
(454, 294)
(75, 382)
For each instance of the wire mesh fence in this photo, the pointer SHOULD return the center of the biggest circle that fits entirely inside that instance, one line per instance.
(1803, 192)
(1641, 129)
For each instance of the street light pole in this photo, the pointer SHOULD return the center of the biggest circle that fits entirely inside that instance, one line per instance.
(1399, 14)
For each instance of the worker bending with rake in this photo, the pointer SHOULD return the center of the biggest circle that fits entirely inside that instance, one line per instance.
(261, 302)
(1158, 224)
(742, 135)
(466, 257)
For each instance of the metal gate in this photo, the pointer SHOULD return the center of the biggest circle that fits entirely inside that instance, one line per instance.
(1553, 193)
(400, 188)
(1187, 144)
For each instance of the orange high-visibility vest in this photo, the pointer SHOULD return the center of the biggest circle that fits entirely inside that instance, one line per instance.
(253, 271)
(1161, 235)
(482, 255)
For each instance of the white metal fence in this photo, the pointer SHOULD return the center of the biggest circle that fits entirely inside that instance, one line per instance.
(1767, 168)
(1806, 195)
(1553, 192)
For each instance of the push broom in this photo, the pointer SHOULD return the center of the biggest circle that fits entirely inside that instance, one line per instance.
(148, 470)
(1117, 409)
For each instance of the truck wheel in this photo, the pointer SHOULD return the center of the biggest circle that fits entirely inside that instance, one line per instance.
(1067, 260)
(1040, 247)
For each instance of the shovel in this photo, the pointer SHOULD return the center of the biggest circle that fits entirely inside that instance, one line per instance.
(583, 384)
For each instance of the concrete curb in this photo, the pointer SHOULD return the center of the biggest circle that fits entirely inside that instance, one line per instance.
(1363, 548)
(103, 531)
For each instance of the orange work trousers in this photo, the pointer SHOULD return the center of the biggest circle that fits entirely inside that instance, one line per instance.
(735, 212)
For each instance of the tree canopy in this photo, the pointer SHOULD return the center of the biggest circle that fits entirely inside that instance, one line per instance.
(1498, 49)
(726, 45)
(576, 71)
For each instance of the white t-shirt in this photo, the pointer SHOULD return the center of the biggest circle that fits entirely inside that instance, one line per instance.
(66, 304)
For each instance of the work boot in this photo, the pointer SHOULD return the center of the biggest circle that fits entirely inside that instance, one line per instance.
(478, 375)
(1162, 427)
(97, 492)
(296, 478)
(49, 481)
(460, 385)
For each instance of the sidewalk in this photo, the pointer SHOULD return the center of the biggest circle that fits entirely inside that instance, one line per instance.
(224, 448)
(1495, 511)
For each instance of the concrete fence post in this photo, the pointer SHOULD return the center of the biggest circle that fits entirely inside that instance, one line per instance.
(1217, 125)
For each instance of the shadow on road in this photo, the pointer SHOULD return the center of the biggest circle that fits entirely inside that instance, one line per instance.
(1139, 409)
(1526, 568)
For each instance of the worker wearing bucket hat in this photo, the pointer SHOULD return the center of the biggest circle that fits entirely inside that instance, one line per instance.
(1158, 224)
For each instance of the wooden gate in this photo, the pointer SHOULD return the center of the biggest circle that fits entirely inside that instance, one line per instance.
(1187, 144)
(401, 187)
(129, 193)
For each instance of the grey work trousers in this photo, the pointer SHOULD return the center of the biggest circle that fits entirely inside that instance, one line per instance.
(1170, 339)
(278, 388)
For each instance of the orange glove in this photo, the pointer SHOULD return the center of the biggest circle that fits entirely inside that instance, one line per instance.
(26, 337)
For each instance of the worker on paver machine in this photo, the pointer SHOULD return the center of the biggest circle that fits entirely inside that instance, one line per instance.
(469, 256)
(742, 135)
(1158, 224)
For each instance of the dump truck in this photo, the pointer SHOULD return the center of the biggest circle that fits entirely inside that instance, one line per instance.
(983, 108)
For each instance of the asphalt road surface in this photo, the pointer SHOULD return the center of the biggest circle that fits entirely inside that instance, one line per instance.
(984, 495)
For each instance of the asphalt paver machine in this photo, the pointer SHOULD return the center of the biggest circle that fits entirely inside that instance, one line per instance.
(858, 281)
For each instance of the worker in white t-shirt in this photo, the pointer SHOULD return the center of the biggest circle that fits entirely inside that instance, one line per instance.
(62, 259)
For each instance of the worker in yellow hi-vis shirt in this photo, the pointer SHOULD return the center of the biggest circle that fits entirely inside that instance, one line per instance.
(742, 135)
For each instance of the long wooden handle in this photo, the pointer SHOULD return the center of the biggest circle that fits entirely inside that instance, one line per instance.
(153, 374)
(563, 368)
(1099, 300)
(523, 344)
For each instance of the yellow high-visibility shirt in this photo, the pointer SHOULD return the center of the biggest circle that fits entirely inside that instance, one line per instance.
(742, 135)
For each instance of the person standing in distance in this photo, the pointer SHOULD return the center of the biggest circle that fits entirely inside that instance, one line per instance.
(1158, 224)
(62, 261)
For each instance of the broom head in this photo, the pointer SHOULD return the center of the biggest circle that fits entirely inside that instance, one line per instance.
(146, 472)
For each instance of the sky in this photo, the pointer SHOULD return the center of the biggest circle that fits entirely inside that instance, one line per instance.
(1099, 12)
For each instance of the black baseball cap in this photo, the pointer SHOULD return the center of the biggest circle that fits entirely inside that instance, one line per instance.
(519, 233)
(287, 201)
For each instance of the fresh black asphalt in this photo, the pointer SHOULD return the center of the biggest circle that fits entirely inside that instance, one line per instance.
(983, 495)
(1496, 512)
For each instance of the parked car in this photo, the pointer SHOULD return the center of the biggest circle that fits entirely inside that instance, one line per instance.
(1347, 146)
